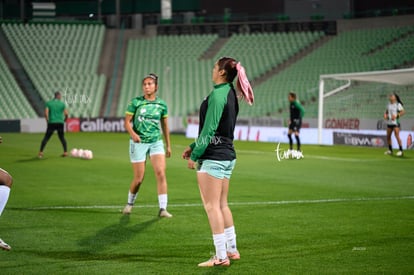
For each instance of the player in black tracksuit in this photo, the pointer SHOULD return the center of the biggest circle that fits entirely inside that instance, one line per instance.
(295, 123)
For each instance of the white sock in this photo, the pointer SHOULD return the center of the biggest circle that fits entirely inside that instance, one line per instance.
(163, 201)
(131, 198)
(4, 196)
(230, 233)
(220, 244)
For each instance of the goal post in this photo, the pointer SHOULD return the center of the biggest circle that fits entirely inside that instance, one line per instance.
(334, 87)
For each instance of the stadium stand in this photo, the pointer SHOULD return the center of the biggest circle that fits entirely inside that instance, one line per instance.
(62, 57)
(66, 56)
(185, 78)
(13, 103)
(352, 51)
(264, 51)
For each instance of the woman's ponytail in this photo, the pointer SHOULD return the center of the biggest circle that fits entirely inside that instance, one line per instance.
(243, 84)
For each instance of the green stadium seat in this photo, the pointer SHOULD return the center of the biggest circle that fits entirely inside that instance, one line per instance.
(60, 57)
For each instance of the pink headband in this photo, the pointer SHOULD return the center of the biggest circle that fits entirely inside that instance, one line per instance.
(243, 84)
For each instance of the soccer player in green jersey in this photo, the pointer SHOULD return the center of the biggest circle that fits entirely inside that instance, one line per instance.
(392, 115)
(145, 116)
(214, 153)
(295, 122)
(56, 115)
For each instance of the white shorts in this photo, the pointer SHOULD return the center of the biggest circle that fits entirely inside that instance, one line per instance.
(219, 169)
(138, 152)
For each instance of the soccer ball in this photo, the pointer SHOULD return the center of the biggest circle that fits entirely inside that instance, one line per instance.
(74, 152)
(80, 153)
(87, 154)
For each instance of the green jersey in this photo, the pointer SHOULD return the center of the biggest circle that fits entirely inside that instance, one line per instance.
(146, 117)
(56, 111)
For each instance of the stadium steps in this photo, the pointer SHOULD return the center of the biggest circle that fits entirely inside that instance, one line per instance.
(13, 102)
(126, 36)
(214, 48)
(20, 75)
(106, 62)
(299, 55)
(107, 65)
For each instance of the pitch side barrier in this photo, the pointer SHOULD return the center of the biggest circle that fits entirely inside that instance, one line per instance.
(337, 132)
(251, 129)
(99, 124)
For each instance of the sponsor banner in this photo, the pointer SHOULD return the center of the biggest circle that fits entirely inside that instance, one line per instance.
(102, 125)
(112, 124)
(73, 125)
(269, 134)
(376, 138)
(409, 141)
(342, 123)
(356, 123)
(406, 139)
(359, 139)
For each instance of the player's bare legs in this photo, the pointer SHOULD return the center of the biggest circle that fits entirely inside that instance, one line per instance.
(139, 172)
(389, 133)
(225, 210)
(159, 166)
(211, 190)
(6, 182)
(229, 230)
(397, 136)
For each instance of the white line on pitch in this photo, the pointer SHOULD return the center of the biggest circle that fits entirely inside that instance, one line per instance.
(230, 203)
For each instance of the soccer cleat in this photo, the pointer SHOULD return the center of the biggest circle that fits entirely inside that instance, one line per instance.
(164, 214)
(389, 152)
(65, 154)
(127, 209)
(4, 245)
(233, 255)
(215, 261)
(399, 153)
(40, 155)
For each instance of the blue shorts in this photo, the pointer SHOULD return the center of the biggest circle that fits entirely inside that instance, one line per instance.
(138, 152)
(217, 168)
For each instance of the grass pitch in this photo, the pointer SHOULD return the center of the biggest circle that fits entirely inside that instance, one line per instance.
(340, 210)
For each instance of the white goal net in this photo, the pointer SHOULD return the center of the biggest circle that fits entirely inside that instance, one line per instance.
(357, 101)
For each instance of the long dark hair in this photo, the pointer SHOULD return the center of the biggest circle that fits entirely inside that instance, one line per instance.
(398, 98)
(228, 64)
(233, 68)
